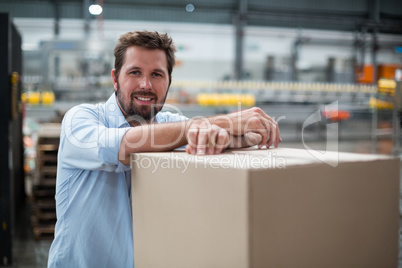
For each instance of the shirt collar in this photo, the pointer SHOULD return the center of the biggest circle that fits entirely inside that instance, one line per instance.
(114, 114)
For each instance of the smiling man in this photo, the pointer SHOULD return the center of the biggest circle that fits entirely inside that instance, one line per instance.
(145, 69)
(94, 226)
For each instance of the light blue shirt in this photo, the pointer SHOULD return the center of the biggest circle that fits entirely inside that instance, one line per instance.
(94, 224)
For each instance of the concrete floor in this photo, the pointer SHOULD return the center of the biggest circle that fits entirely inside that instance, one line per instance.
(30, 253)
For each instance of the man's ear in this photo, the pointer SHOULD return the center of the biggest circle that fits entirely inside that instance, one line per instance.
(114, 80)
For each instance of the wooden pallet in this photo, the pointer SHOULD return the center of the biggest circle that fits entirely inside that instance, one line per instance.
(46, 152)
(47, 155)
(43, 203)
(43, 229)
(43, 207)
(45, 214)
(39, 191)
(46, 164)
(42, 192)
(43, 232)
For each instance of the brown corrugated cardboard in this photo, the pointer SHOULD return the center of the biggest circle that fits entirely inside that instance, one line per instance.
(265, 208)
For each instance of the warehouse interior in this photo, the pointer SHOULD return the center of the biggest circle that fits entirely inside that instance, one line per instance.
(329, 72)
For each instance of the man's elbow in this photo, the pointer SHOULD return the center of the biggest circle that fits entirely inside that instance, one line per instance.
(124, 154)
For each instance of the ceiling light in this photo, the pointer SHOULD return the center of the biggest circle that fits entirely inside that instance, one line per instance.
(95, 9)
(190, 8)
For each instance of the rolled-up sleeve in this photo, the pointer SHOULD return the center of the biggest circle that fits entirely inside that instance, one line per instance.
(168, 117)
(87, 143)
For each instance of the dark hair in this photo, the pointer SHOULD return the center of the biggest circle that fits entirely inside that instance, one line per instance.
(145, 39)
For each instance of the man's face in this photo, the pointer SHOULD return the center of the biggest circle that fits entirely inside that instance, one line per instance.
(142, 84)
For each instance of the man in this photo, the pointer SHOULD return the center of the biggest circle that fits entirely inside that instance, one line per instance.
(94, 226)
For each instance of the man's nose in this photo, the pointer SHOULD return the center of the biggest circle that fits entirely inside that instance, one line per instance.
(145, 83)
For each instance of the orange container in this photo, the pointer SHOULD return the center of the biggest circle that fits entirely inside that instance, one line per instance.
(365, 76)
(387, 70)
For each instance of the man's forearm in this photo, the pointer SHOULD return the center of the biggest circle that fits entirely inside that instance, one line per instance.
(152, 138)
(203, 135)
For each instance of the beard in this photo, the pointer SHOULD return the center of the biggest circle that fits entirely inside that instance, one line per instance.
(140, 114)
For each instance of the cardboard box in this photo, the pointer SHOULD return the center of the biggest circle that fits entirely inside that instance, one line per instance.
(265, 208)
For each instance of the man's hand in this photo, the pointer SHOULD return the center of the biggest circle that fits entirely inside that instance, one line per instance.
(247, 140)
(206, 138)
(252, 120)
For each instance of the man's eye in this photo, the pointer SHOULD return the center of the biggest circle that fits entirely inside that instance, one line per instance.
(134, 72)
(157, 74)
